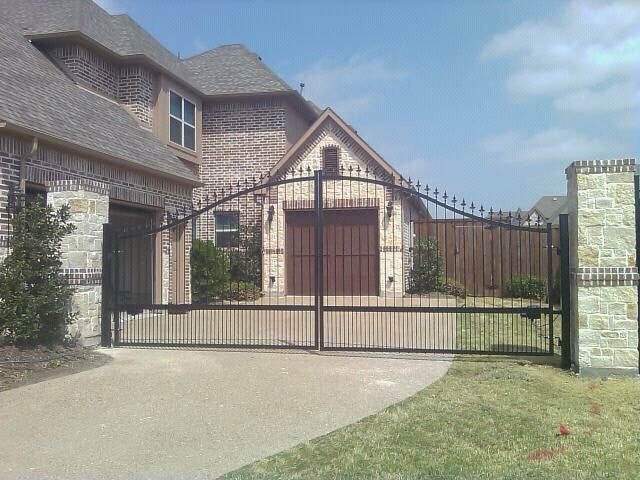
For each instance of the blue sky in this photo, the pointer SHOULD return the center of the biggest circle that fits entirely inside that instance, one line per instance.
(489, 100)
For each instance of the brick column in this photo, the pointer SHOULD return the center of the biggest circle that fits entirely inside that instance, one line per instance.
(604, 283)
(82, 251)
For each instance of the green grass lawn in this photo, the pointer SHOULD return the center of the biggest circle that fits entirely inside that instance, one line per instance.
(504, 332)
(487, 418)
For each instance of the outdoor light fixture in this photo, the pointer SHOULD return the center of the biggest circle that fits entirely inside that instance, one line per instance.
(272, 212)
(389, 209)
(272, 278)
(390, 279)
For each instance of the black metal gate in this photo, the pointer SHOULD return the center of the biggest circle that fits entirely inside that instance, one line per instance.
(346, 262)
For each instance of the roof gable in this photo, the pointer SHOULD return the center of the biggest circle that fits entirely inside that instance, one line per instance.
(329, 120)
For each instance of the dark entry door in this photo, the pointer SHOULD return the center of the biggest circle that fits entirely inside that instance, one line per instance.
(350, 252)
(137, 259)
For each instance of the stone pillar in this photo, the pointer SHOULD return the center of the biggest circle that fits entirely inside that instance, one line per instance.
(604, 277)
(82, 251)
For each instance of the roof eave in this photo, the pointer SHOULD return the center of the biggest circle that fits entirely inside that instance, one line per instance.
(302, 104)
(304, 107)
(53, 140)
(112, 54)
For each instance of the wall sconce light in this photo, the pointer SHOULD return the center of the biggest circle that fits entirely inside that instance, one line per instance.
(389, 209)
(272, 213)
(272, 278)
(390, 279)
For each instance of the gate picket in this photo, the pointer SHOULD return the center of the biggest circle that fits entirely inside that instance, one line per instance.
(353, 261)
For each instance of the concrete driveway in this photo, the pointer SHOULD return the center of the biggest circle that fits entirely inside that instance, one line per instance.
(168, 414)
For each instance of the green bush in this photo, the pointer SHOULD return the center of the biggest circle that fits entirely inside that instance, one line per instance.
(33, 295)
(210, 276)
(246, 260)
(426, 274)
(242, 291)
(526, 287)
(219, 274)
(453, 288)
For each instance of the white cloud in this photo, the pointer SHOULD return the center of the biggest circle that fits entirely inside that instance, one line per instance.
(349, 86)
(111, 6)
(617, 97)
(555, 145)
(587, 58)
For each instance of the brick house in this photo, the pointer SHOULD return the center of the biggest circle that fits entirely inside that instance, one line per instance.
(96, 113)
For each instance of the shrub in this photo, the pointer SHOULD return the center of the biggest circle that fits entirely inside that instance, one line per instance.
(33, 295)
(242, 291)
(246, 260)
(426, 274)
(453, 288)
(210, 275)
(526, 287)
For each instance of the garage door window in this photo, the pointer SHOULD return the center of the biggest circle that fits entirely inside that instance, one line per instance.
(227, 229)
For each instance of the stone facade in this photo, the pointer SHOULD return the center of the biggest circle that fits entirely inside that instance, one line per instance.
(86, 184)
(337, 194)
(82, 252)
(604, 292)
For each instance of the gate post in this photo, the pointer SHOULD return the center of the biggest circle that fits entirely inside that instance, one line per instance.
(604, 283)
(107, 283)
(319, 253)
(565, 296)
(88, 203)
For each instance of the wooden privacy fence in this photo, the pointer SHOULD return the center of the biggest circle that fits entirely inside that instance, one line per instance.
(484, 257)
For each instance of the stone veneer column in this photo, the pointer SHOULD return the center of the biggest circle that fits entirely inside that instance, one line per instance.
(604, 283)
(82, 251)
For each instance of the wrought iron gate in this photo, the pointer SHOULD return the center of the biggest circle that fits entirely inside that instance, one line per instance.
(353, 261)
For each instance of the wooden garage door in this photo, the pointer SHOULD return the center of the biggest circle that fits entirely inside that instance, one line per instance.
(351, 256)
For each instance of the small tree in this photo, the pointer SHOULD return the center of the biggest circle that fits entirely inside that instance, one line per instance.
(426, 274)
(33, 294)
(210, 275)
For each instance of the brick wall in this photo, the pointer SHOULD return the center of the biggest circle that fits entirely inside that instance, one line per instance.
(240, 143)
(131, 85)
(135, 91)
(50, 164)
(89, 68)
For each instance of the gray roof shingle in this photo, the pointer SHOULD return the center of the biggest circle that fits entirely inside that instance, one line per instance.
(550, 207)
(117, 33)
(36, 95)
(233, 69)
(230, 69)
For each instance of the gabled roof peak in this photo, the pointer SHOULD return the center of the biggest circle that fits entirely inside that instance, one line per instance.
(329, 115)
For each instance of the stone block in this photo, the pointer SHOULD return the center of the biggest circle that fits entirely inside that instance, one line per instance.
(599, 322)
(78, 205)
(621, 193)
(625, 357)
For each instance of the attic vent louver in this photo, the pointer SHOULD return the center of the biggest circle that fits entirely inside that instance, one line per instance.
(330, 161)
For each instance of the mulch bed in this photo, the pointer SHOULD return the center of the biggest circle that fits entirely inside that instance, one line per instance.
(23, 366)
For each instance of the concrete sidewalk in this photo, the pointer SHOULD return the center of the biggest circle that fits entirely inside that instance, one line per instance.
(165, 414)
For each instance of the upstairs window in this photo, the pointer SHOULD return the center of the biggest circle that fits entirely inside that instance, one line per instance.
(182, 122)
(227, 226)
(330, 161)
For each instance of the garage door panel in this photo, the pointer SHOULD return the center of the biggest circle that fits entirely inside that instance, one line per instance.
(350, 253)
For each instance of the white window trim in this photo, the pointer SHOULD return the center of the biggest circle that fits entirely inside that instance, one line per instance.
(183, 122)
